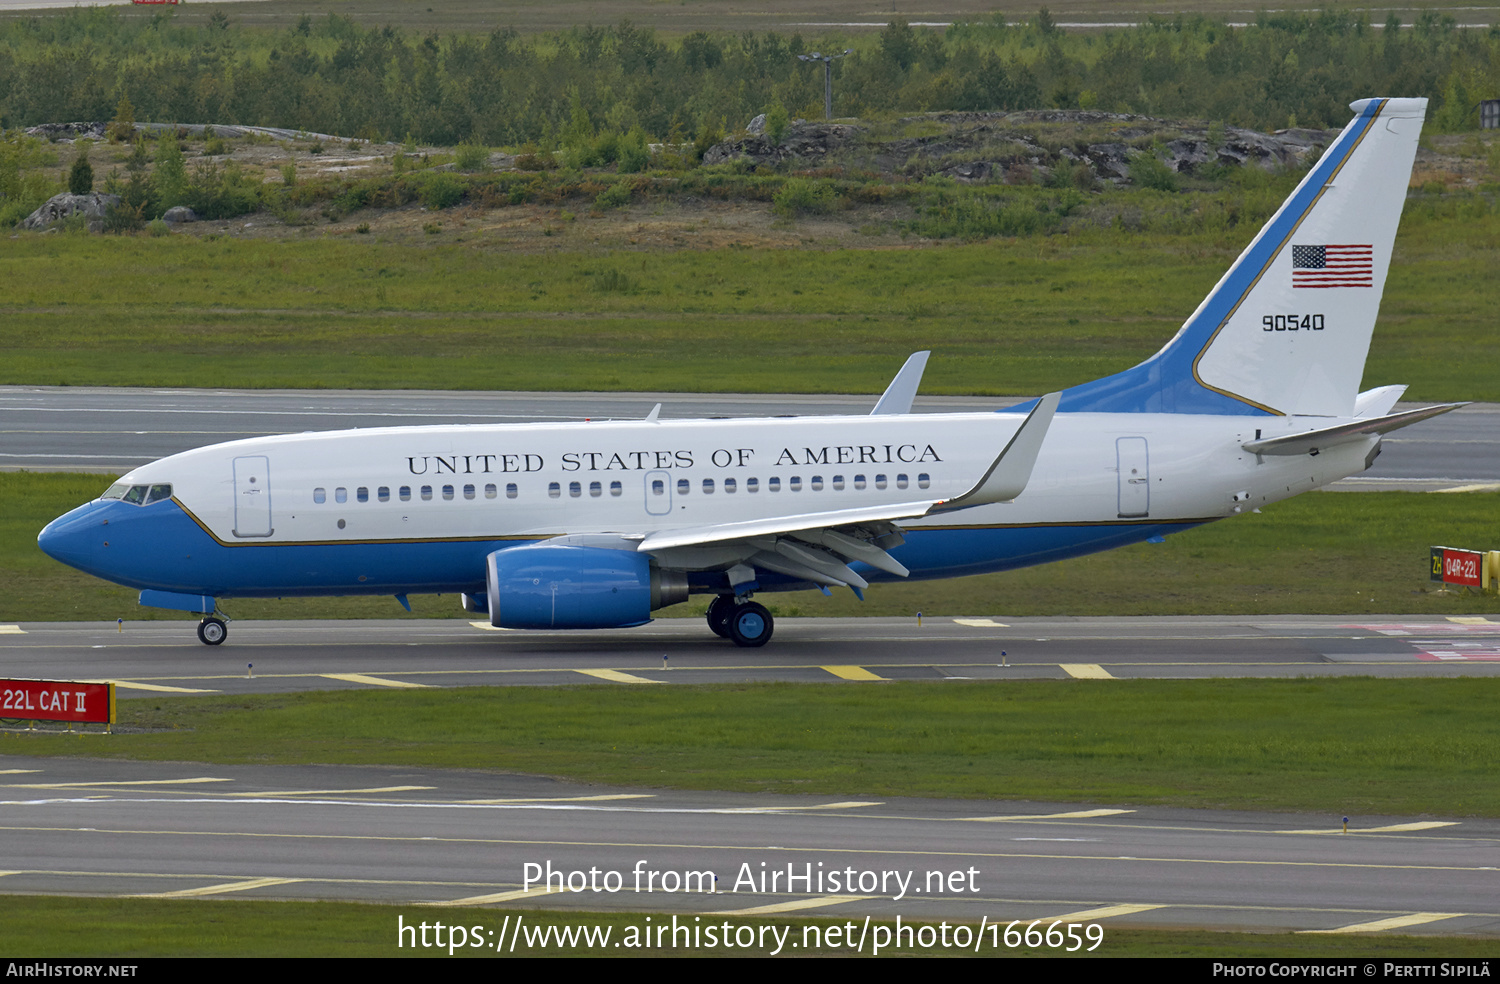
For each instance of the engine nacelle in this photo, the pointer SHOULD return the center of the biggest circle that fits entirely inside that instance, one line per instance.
(557, 586)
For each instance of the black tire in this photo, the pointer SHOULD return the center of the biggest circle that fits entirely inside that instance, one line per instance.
(212, 631)
(719, 612)
(751, 625)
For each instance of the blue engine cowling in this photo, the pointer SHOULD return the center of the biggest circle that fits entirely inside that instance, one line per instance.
(558, 586)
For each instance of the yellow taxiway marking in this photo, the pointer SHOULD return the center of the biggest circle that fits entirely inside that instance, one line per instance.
(1395, 828)
(499, 897)
(793, 906)
(1086, 671)
(152, 687)
(17, 772)
(490, 628)
(239, 886)
(11, 630)
(560, 799)
(118, 782)
(1471, 620)
(1480, 487)
(373, 681)
(850, 805)
(329, 792)
(1394, 922)
(1075, 815)
(615, 676)
(852, 673)
(981, 623)
(1103, 912)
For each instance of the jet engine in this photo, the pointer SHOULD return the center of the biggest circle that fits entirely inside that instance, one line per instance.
(559, 586)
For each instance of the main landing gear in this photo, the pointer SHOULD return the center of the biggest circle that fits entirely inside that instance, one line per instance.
(212, 631)
(746, 623)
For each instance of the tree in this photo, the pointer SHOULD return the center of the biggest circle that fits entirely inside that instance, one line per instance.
(81, 175)
(122, 127)
(170, 176)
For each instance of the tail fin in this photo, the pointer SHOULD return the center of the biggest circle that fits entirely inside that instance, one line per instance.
(1287, 329)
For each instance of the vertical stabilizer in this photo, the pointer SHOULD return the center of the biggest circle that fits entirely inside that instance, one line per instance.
(1287, 329)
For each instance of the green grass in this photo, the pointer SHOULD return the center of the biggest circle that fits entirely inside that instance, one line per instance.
(43, 927)
(1005, 317)
(1356, 747)
(1329, 553)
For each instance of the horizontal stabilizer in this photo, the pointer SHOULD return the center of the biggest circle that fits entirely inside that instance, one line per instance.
(1314, 441)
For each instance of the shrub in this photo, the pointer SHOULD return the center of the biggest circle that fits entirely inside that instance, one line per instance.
(442, 190)
(1148, 171)
(802, 197)
(471, 157)
(81, 174)
(617, 195)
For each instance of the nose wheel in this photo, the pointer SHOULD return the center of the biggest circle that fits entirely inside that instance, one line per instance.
(212, 631)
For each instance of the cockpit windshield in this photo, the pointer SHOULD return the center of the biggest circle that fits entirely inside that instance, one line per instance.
(140, 495)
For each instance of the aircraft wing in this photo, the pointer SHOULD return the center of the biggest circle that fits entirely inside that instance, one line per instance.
(1313, 441)
(819, 546)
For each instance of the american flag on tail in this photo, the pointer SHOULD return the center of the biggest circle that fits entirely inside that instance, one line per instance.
(1333, 266)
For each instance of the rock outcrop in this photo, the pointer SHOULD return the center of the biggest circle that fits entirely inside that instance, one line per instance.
(93, 207)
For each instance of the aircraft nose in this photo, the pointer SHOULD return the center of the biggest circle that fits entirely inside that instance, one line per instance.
(75, 537)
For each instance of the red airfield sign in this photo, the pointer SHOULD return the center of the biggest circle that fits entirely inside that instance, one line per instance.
(57, 700)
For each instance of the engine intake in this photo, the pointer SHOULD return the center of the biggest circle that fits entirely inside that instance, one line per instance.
(556, 586)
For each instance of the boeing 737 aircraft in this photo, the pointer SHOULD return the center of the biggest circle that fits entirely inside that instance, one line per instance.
(596, 525)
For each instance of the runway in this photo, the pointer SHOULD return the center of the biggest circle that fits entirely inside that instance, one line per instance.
(102, 429)
(417, 837)
(152, 658)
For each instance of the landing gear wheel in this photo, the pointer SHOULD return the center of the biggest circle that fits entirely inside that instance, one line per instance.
(750, 625)
(719, 612)
(212, 631)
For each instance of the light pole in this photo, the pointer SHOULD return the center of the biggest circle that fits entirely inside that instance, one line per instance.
(827, 61)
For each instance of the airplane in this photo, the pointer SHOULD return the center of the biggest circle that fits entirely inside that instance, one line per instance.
(598, 524)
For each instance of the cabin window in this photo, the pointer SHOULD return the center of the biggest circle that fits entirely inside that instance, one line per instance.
(880, 481)
(340, 495)
(511, 491)
(658, 487)
(468, 491)
(859, 482)
(795, 484)
(708, 486)
(362, 494)
(383, 493)
(427, 493)
(900, 481)
(683, 485)
(616, 487)
(838, 483)
(924, 480)
(752, 485)
(448, 492)
(596, 489)
(554, 490)
(774, 483)
(729, 485)
(575, 489)
(490, 491)
(406, 493)
(817, 483)
(320, 495)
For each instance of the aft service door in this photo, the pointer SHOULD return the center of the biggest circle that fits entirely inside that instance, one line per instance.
(1135, 477)
(658, 493)
(252, 496)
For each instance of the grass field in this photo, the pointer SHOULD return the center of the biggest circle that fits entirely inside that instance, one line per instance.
(1004, 317)
(1349, 747)
(1331, 553)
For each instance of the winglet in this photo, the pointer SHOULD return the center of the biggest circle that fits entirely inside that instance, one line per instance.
(1011, 470)
(903, 389)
